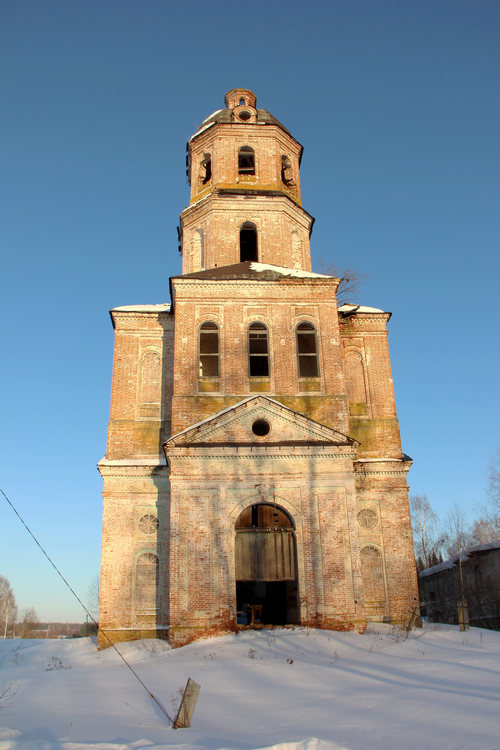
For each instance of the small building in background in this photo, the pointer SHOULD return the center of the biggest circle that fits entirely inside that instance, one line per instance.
(441, 591)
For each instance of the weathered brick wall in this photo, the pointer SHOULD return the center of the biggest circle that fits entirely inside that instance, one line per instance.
(223, 142)
(283, 230)
(366, 361)
(315, 485)
(141, 389)
(132, 490)
(134, 471)
(382, 490)
(233, 306)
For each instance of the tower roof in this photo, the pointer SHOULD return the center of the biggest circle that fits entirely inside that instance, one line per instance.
(240, 103)
(252, 270)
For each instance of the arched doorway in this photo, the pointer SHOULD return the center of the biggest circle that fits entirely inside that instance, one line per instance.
(266, 566)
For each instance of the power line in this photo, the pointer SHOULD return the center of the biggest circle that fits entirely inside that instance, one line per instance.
(103, 632)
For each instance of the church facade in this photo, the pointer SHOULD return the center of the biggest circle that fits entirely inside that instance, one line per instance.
(254, 473)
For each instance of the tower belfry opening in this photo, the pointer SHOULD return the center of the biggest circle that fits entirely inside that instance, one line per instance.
(248, 242)
(254, 386)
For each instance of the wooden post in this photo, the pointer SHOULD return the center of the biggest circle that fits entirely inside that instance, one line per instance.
(463, 615)
(412, 619)
(188, 703)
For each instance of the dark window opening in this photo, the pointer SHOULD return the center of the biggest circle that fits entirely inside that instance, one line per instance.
(206, 169)
(278, 600)
(242, 101)
(246, 160)
(286, 171)
(258, 351)
(208, 366)
(248, 242)
(307, 351)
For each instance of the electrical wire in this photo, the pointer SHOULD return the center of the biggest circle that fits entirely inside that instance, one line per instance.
(101, 631)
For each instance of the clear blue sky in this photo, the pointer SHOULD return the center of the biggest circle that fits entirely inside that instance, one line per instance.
(397, 105)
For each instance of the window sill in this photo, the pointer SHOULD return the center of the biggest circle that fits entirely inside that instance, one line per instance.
(208, 385)
(358, 410)
(259, 384)
(310, 384)
(149, 411)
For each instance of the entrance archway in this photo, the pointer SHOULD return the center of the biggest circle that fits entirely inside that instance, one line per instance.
(266, 567)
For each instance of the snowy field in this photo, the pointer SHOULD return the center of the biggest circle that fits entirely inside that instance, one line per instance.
(438, 689)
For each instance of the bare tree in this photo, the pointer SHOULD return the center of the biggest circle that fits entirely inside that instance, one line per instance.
(485, 529)
(29, 623)
(426, 539)
(93, 596)
(350, 281)
(8, 608)
(494, 479)
(90, 628)
(458, 534)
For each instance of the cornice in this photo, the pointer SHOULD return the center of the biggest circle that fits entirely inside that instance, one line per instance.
(203, 453)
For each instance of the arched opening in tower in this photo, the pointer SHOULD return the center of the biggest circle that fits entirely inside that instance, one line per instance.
(248, 242)
(266, 567)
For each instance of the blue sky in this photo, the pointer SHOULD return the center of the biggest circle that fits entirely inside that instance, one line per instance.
(397, 106)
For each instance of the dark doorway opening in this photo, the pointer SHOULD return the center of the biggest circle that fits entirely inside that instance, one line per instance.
(248, 242)
(277, 598)
(266, 567)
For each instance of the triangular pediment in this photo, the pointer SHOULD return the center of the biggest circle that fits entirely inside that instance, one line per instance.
(259, 420)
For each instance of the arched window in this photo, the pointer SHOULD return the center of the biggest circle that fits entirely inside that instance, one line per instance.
(147, 579)
(286, 171)
(205, 173)
(258, 350)
(373, 578)
(246, 160)
(307, 350)
(248, 242)
(208, 366)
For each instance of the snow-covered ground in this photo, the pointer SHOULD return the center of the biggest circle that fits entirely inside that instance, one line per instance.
(301, 690)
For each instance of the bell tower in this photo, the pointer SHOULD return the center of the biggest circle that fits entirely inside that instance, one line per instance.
(243, 167)
(254, 465)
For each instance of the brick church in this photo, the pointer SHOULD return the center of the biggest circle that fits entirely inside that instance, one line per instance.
(253, 474)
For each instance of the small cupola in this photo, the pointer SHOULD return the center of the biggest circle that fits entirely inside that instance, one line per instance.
(240, 97)
(242, 103)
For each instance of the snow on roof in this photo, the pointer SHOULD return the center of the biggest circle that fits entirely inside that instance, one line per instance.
(203, 127)
(485, 547)
(295, 272)
(447, 565)
(162, 307)
(359, 309)
(153, 461)
(378, 460)
(212, 115)
(464, 556)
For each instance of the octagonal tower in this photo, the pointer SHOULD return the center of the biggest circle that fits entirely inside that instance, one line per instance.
(244, 170)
